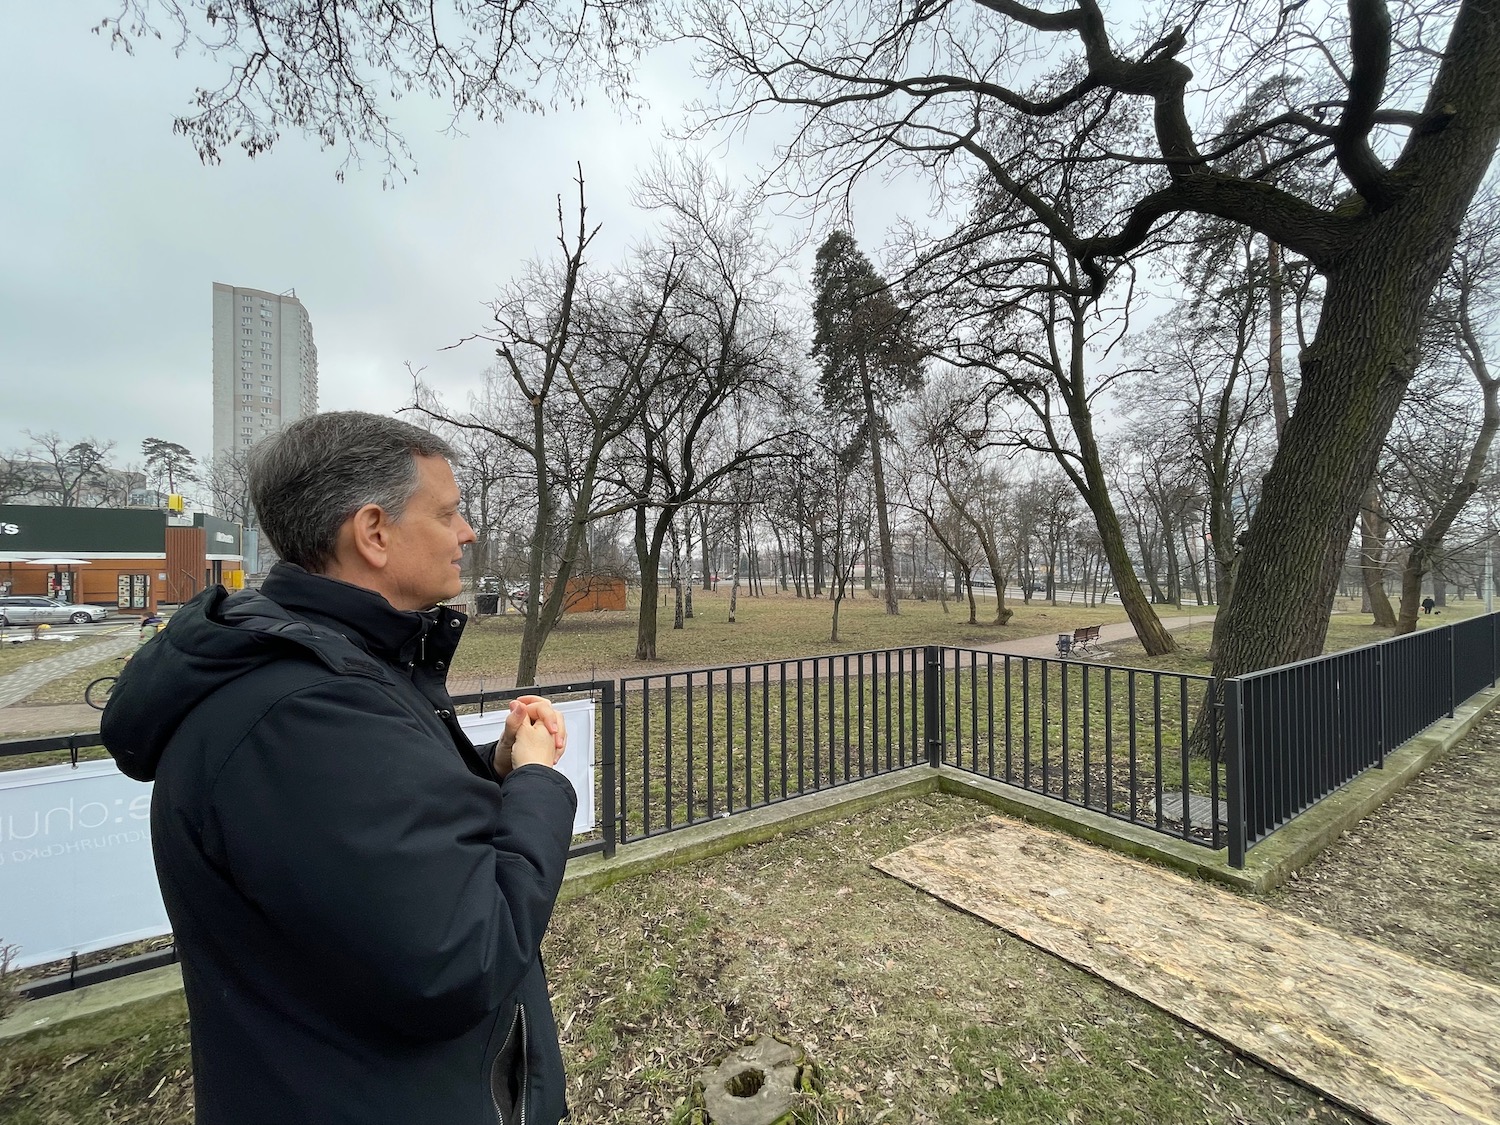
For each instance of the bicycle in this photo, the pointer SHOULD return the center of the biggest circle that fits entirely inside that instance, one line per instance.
(96, 695)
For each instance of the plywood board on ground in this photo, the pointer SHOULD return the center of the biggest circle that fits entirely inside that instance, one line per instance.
(1395, 1038)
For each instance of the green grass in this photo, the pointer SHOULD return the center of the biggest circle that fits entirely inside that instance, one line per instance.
(772, 627)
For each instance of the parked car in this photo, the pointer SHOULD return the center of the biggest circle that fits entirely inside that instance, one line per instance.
(19, 609)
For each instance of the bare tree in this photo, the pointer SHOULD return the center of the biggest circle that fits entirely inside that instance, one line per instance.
(545, 362)
(228, 483)
(329, 69)
(1021, 318)
(729, 355)
(73, 474)
(1396, 112)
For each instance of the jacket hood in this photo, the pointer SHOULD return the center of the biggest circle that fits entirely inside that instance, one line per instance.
(211, 640)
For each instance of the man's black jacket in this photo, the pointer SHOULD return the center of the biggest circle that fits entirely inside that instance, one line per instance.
(358, 903)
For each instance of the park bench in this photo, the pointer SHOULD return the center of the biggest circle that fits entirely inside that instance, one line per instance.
(1085, 638)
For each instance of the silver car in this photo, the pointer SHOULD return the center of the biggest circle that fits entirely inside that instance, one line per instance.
(20, 609)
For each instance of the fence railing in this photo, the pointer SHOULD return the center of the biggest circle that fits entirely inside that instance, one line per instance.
(1138, 745)
(701, 744)
(1167, 751)
(1298, 732)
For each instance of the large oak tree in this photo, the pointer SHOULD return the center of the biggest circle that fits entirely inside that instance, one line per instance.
(1397, 109)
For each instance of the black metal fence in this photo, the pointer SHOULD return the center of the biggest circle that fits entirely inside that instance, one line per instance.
(1171, 752)
(1301, 731)
(1138, 745)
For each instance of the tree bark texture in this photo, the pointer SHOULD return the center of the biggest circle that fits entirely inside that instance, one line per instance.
(882, 512)
(1373, 532)
(1353, 380)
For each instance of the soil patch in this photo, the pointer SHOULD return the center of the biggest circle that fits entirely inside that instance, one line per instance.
(1420, 873)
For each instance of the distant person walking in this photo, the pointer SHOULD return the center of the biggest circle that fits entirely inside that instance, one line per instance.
(1427, 604)
(151, 624)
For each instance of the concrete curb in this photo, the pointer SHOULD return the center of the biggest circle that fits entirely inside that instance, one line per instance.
(1268, 864)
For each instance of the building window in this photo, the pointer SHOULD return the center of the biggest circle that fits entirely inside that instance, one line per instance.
(265, 367)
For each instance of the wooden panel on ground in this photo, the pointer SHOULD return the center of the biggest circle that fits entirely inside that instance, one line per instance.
(1392, 1037)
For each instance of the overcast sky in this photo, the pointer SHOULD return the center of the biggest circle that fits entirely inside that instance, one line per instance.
(113, 233)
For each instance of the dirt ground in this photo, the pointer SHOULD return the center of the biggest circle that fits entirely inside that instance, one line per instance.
(1422, 873)
(914, 1011)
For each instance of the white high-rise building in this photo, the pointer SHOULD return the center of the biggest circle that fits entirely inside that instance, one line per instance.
(265, 365)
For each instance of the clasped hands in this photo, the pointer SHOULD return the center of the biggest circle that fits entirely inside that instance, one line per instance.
(534, 735)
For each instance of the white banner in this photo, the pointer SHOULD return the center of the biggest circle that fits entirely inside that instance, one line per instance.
(75, 862)
(76, 873)
(577, 763)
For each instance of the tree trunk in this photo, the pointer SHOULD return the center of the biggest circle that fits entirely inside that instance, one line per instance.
(734, 589)
(648, 558)
(1280, 408)
(1373, 531)
(1148, 627)
(1352, 383)
(882, 512)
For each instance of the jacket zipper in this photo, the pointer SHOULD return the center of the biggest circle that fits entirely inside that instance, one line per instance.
(519, 1021)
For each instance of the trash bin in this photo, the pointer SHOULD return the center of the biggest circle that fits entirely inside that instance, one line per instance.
(1064, 643)
(487, 605)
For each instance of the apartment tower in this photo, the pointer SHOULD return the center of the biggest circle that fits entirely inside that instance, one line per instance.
(265, 365)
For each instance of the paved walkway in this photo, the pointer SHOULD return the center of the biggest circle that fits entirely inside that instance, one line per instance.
(1396, 1038)
(70, 658)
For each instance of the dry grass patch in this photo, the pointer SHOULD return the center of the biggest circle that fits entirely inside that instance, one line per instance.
(772, 627)
(915, 1012)
(1420, 873)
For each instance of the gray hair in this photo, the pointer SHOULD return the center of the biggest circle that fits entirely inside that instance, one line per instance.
(307, 479)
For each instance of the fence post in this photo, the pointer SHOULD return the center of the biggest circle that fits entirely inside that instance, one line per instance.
(1452, 672)
(607, 785)
(1382, 736)
(1234, 771)
(932, 700)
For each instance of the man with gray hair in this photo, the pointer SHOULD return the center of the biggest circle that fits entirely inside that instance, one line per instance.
(357, 892)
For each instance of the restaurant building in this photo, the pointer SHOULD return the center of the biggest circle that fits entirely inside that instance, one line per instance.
(131, 558)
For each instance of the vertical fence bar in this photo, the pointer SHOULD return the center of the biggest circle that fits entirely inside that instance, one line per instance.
(1109, 740)
(1134, 778)
(1182, 740)
(668, 742)
(646, 756)
(765, 732)
(1010, 765)
(1088, 765)
(607, 785)
(748, 708)
(1046, 727)
(783, 732)
(989, 698)
(801, 762)
(1452, 672)
(1065, 728)
(708, 714)
(691, 789)
(931, 702)
(1234, 771)
(1025, 722)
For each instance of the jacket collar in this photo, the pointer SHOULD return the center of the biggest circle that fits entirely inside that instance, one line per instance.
(365, 617)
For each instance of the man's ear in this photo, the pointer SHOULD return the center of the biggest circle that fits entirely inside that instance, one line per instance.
(368, 535)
